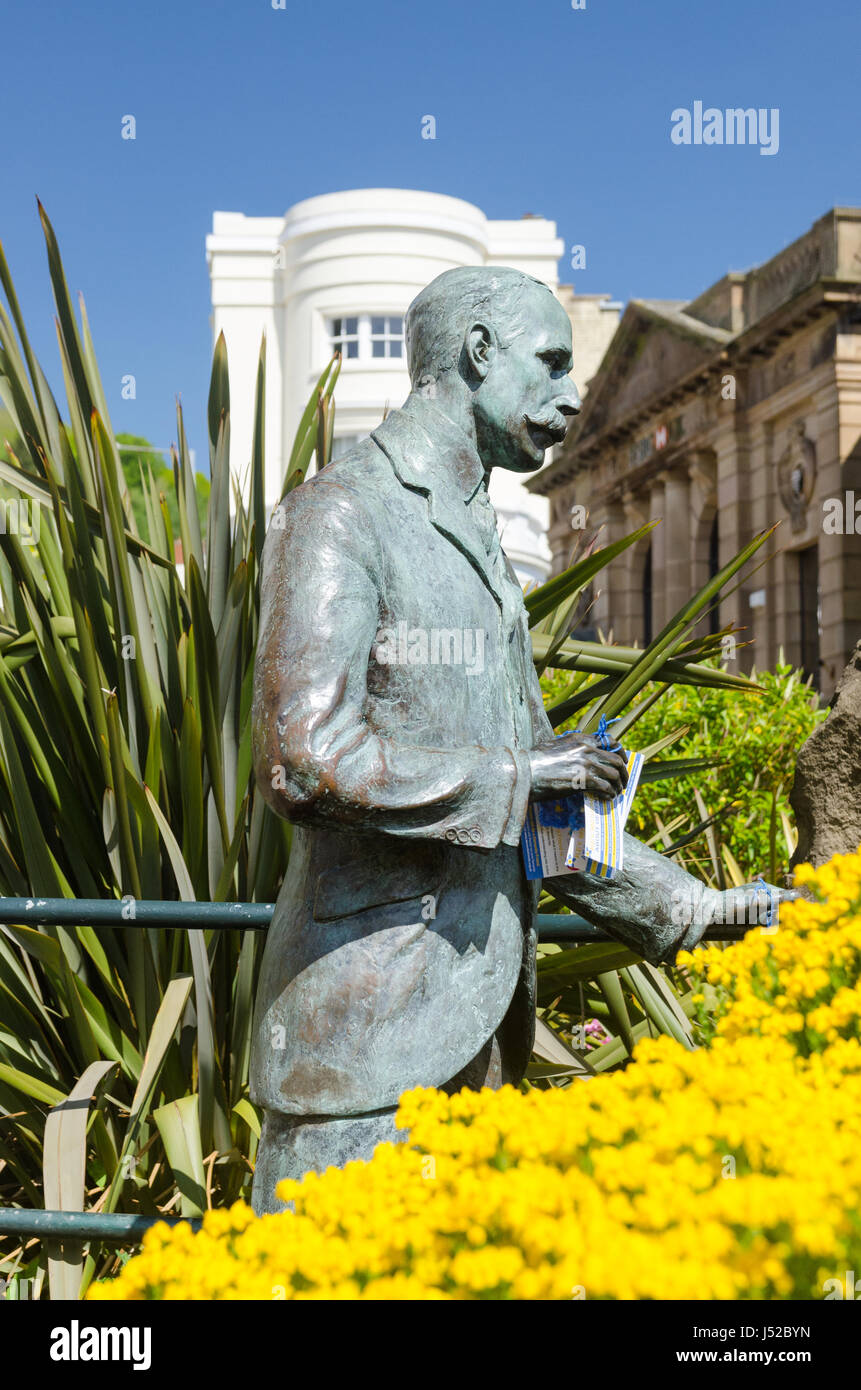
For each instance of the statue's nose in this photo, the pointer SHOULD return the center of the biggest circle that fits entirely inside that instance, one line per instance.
(569, 402)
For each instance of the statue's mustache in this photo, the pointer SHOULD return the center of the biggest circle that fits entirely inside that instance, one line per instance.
(551, 421)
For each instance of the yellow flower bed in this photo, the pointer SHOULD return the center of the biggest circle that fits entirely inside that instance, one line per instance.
(730, 1172)
(799, 980)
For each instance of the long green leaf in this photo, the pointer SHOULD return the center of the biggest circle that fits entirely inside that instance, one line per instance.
(552, 592)
(64, 1166)
(178, 1125)
(162, 1035)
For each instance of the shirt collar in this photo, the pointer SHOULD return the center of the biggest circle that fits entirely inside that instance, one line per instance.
(453, 462)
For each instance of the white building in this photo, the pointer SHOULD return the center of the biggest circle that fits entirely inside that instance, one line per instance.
(339, 271)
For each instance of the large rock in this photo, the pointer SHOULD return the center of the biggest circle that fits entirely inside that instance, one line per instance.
(826, 793)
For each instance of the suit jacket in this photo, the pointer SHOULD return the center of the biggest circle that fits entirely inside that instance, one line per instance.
(396, 700)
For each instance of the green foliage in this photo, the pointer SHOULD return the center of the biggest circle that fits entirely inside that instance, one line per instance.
(141, 461)
(583, 681)
(8, 432)
(754, 741)
(125, 771)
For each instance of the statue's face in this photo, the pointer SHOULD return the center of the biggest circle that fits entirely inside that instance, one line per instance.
(526, 398)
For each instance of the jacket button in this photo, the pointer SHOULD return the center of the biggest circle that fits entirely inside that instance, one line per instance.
(474, 833)
(463, 837)
(451, 834)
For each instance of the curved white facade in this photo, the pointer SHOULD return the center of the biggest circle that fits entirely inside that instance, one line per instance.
(356, 255)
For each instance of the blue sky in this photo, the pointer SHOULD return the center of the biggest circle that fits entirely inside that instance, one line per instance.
(539, 108)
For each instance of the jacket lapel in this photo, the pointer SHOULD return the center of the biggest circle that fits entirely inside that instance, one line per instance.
(419, 462)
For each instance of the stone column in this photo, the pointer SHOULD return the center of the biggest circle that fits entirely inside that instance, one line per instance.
(702, 501)
(702, 471)
(629, 594)
(658, 512)
(677, 542)
(608, 518)
(765, 509)
(559, 533)
(839, 428)
(562, 535)
(734, 520)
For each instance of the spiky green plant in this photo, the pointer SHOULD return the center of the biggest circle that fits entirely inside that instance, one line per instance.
(608, 982)
(125, 772)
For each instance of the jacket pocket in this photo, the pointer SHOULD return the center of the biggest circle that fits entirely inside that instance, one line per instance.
(345, 889)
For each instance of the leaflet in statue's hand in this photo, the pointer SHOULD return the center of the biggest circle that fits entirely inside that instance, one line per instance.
(579, 832)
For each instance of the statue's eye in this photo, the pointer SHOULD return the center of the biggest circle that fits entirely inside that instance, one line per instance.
(556, 361)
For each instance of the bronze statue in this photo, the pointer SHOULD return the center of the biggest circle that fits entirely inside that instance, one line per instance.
(398, 723)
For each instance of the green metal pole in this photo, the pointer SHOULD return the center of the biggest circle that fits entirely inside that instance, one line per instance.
(82, 1225)
(134, 912)
(117, 1229)
(560, 927)
(130, 912)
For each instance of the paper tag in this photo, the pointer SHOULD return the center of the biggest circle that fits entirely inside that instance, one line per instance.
(550, 851)
(599, 847)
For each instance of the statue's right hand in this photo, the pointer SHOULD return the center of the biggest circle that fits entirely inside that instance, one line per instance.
(577, 762)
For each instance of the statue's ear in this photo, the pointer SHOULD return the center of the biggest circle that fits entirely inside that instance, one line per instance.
(480, 348)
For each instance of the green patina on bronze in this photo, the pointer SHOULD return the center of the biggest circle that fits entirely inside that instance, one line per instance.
(402, 948)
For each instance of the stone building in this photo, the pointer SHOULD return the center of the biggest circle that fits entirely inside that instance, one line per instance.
(721, 417)
(338, 271)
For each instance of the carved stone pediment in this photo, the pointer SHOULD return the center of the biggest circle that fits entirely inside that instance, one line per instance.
(654, 348)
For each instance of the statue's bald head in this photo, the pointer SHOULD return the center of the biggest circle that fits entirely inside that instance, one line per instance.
(439, 317)
(492, 348)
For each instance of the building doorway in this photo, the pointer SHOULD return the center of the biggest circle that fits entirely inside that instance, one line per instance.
(809, 610)
(714, 566)
(647, 597)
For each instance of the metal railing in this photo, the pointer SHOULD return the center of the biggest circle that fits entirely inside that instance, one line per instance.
(131, 913)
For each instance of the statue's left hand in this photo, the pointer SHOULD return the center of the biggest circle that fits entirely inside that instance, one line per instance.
(751, 905)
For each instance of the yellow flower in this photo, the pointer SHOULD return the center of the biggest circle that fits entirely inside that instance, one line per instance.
(728, 1172)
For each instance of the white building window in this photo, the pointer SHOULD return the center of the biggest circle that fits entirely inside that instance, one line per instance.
(344, 336)
(387, 335)
(362, 337)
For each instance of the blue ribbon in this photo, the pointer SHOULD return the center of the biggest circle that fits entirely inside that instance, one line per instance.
(770, 896)
(602, 736)
(568, 812)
